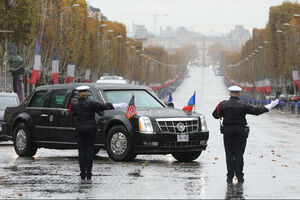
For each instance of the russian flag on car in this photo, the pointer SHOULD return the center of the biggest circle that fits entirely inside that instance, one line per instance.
(191, 103)
(170, 97)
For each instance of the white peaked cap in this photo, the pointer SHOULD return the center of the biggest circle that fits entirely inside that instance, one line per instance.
(235, 89)
(82, 88)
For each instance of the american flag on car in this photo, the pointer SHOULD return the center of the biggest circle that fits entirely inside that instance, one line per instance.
(131, 109)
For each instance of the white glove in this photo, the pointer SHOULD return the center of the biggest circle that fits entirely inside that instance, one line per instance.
(120, 105)
(272, 104)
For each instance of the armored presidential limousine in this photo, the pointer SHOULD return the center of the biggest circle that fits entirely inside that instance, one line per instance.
(42, 120)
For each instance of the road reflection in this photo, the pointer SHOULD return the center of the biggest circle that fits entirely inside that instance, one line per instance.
(235, 191)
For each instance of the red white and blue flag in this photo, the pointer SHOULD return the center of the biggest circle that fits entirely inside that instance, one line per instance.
(131, 109)
(191, 103)
(170, 98)
(54, 75)
(35, 76)
(70, 73)
(87, 75)
(296, 78)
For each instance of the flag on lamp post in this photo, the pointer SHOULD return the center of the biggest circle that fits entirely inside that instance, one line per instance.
(267, 85)
(296, 78)
(249, 87)
(87, 75)
(54, 76)
(70, 73)
(35, 76)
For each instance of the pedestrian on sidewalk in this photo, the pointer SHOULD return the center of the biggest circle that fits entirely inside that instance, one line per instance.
(282, 105)
(293, 106)
(235, 130)
(84, 111)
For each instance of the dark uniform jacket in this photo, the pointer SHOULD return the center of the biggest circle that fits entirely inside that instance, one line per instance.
(234, 111)
(84, 111)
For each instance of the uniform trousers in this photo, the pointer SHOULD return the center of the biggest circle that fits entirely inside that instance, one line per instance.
(235, 143)
(86, 135)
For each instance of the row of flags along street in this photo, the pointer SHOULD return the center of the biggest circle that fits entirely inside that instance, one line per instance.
(36, 78)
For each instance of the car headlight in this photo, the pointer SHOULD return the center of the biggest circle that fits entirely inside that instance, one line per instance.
(203, 123)
(145, 125)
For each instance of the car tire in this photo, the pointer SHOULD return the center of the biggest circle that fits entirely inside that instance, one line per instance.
(118, 144)
(186, 156)
(96, 150)
(23, 143)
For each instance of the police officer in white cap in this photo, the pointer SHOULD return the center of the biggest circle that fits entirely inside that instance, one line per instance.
(235, 130)
(85, 127)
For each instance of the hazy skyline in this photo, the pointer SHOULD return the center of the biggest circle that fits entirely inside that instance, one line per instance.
(218, 16)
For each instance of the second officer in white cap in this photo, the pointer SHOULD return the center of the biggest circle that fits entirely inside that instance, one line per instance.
(85, 127)
(235, 130)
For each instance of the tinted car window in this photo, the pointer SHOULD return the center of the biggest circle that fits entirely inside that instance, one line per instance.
(7, 102)
(141, 98)
(38, 99)
(57, 98)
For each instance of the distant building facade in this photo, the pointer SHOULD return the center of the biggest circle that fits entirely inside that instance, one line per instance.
(237, 37)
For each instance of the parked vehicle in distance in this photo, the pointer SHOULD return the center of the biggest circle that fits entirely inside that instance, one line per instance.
(112, 79)
(6, 100)
(43, 121)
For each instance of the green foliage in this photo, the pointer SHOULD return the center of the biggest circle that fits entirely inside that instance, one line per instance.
(270, 53)
(18, 16)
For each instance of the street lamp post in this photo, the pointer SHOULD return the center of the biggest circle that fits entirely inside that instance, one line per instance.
(5, 60)
(62, 17)
(287, 45)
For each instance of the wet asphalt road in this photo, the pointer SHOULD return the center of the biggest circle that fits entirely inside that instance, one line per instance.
(272, 161)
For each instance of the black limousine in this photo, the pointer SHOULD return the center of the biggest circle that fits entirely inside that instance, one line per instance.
(42, 120)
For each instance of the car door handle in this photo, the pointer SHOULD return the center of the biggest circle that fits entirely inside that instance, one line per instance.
(44, 115)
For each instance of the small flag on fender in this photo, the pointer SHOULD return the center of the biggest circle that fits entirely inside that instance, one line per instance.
(191, 103)
(170, 98)
(131, 109)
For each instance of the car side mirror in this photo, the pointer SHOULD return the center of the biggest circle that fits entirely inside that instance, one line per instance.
(169, 104)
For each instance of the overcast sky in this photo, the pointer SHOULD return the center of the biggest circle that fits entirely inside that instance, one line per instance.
(218, 16)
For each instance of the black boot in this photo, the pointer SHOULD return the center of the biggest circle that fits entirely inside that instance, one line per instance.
(89, 176)
(241, 180)
(229, 180)
(82, 176)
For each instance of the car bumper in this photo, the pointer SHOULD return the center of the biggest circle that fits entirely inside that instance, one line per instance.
(167, 143)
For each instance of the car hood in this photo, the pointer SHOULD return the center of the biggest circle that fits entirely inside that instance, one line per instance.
(1, 115)
(165, 113)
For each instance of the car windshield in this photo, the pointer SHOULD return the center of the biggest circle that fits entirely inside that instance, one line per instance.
(7, 102)
(142, 98)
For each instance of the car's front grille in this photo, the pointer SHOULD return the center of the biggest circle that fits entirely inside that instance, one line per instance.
(178, 125)
(190, 143)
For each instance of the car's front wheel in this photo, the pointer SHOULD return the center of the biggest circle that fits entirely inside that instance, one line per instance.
(118, 144)
(23, 144)
(186, 156)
